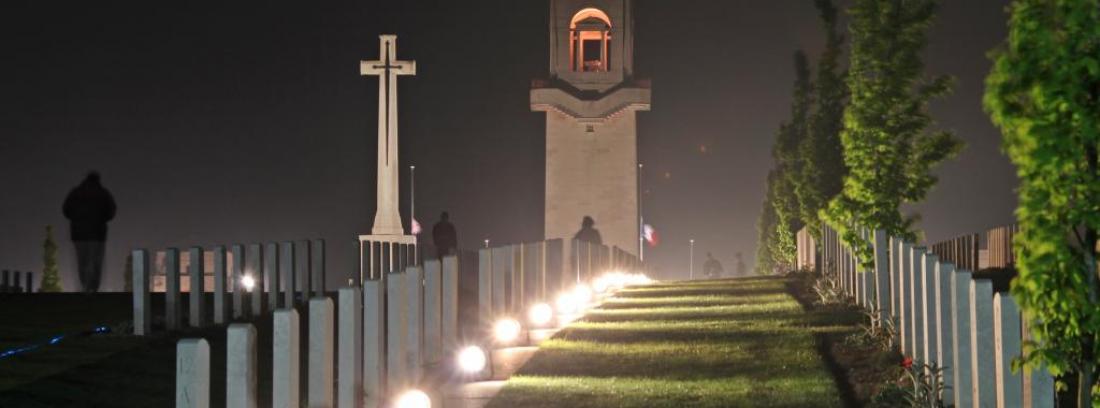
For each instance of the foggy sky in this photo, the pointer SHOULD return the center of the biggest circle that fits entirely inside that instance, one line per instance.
(245, 121)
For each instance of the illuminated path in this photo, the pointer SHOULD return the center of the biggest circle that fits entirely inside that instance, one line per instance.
(725, 343)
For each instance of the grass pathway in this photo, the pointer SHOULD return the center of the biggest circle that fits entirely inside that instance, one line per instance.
(725, 343)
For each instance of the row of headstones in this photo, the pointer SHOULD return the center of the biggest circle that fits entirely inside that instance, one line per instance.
(374, 345)
(943, 316)
(963, 251)
(13, 282)
(512, 278)
(286, 271)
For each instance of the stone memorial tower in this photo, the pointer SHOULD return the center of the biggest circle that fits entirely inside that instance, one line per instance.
(591, 99)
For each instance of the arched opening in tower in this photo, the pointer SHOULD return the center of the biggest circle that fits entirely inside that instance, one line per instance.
(590, 41)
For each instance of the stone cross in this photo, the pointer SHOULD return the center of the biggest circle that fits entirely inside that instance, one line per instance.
(387, 221)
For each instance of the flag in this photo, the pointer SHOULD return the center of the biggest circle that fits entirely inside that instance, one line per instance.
(650, 235)
(415, 227)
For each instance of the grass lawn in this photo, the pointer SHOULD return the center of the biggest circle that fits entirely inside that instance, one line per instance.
(725, 343)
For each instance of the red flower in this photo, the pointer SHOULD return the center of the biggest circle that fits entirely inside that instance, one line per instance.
(907, 362)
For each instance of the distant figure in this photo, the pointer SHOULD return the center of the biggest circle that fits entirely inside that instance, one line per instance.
(741, 266)
(588, 233)
(712, 268)
(444, 236)
(88, 207)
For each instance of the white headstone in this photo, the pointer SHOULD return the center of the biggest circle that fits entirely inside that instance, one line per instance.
(287, 268)
(236, 272)
(192, 373)
(516, 302)
(240, 366)
(172, 311)
(143, 312)
(321, 338)
(349, 364)
(485, 286)
(982, 356)
(397, 332)
(1007, 336)
(883, 296)
(917, 275)
(197, 304)
(501, 266)
(433, 312)
(220, 311)
(929, 281)
(302, 264)
(271, 274)
(317, 267)
(945, 273)
(255, 268)
(905, 297)
(449, 331)
(285, 365)
(374, 342)
(962, 327)
(415, 315)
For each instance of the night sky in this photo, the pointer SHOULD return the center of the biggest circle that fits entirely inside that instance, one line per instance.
(244, 121)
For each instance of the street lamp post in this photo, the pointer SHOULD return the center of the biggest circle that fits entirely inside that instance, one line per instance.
(641, 218)
(691, 260)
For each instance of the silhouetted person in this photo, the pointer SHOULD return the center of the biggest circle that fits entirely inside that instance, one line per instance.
(444, 236)
(712, 268)
(88, 207)
(741, 265)
(588, 233)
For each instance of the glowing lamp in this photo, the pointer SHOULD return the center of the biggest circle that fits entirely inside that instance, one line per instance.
(472, 359)
(540, 315)
(602, 284)
(566, 303)
(507, 330)
(248, 282)
(413, 399)
(582, 294)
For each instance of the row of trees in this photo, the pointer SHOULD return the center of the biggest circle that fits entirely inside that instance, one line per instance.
(1043, 93)
(858, 144)
(809, 165)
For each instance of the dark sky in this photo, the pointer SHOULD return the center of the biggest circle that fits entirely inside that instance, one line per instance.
(243, 121)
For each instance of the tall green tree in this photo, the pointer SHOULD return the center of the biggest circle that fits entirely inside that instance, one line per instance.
(785, 175)
(765, 229)
(1044, 94)
(51, 280)
(888, 147)
(822, 170)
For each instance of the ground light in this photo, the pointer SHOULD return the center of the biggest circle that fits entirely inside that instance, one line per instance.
(566, 303)
(540, 315)
(248, 282)
(413, 399)
(582, 294)
(507, 330)
(472, 359)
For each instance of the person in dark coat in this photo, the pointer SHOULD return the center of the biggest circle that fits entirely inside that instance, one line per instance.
(444, 236)
(88, 207)
(588, 233)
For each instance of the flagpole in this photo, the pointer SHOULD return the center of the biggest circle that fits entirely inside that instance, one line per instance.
(641, 219)
(412, 213)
